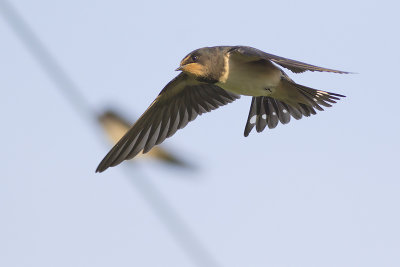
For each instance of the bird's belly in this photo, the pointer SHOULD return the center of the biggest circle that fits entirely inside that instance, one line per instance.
(252, 80)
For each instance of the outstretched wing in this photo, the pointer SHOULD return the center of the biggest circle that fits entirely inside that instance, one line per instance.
(116, 126)
(181, 100)
(250, 54)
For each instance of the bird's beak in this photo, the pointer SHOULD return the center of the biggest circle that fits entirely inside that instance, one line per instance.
(178, 69)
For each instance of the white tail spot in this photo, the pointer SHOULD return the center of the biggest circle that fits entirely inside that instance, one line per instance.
(253, 119)
(273, 113)
(284, 111)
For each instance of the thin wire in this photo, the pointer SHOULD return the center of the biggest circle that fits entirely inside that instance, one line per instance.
(45, 59)
(170, 217)
(175, 225)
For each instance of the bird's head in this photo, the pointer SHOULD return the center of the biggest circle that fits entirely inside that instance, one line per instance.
(204, 63)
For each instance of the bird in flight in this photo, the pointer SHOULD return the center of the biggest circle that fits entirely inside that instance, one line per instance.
(215, 76)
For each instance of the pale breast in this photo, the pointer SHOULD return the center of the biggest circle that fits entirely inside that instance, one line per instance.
(256, 78)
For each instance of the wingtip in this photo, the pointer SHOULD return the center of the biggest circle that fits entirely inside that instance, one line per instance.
(347, 72)
(334, 71)
(335, 94)
(101, 168)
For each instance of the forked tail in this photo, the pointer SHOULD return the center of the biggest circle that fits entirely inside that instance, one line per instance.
(296, 101)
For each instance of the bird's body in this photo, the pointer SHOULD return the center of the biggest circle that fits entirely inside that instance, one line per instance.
(215, 76)
(250, 78)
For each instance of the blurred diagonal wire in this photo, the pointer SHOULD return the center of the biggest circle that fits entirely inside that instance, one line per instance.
(179, 230)
(47, 62)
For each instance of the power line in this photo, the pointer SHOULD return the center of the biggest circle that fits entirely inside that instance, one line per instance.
(176, 227)
(179, 230)
(46, 60)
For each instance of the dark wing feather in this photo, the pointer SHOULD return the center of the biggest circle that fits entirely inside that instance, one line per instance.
(253, 54)
(179, 102)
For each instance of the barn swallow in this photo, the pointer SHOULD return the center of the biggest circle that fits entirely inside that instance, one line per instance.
(215, 76)
(116, 126)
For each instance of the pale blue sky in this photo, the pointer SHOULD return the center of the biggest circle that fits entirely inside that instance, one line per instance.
(322, 191)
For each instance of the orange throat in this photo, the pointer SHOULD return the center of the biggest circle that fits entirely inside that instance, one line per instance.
(194, 69)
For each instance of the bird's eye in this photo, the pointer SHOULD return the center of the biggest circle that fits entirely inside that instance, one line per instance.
(194, 58)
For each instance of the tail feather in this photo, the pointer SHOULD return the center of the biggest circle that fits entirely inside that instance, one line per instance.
(282, 110)
(294, 112)
(265, 110)
(260, 109)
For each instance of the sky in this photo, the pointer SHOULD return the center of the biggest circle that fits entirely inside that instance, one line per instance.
(321, 191)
